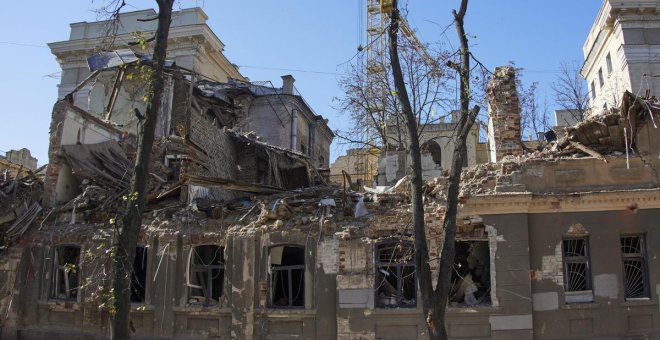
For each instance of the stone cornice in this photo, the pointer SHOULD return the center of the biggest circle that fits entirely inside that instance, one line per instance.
(200, 33)
(528, 203)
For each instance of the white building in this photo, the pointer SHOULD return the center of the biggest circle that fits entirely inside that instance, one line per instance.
(191, 44)
(622, 52)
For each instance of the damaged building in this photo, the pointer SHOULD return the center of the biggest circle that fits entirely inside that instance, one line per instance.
(243, 239)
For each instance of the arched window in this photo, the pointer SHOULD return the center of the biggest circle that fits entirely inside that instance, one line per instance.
(435, 150)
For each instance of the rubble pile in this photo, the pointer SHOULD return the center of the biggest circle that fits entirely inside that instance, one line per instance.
(20, 204)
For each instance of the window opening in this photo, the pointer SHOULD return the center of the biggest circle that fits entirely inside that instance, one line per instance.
(635, 272)
(608, 61)
(593, 90)
(471, 275)
(601, 82)
(287, 277)
(206, 274)
(65, 272)
(139, 277)
(435, 150)
(395, 275)
(577, 271)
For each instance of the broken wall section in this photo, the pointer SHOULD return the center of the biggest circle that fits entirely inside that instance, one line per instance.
(504, 111)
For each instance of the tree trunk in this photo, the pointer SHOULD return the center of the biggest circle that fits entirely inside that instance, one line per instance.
(449, 224)
(422, 267)
(124, 254)
(434, 301)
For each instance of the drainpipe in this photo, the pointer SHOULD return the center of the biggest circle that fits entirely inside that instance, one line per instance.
(294, 129)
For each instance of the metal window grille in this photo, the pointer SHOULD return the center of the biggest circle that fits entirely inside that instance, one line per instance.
(64, 284)
(287, 277)
(395, 275)
(207, 273)
(635, 271)
(577, 271)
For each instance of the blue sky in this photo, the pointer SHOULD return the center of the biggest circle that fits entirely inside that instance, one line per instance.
(312, 40)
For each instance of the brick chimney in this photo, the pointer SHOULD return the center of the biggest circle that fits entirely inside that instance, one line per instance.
(504, 111)
(287, 84)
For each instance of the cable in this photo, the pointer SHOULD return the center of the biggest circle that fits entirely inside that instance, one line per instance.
(290, 69)
(22, 44)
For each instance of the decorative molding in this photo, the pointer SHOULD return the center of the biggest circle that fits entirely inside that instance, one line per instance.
(528, 203)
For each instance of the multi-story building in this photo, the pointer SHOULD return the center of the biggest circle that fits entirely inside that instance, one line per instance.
(622, 52)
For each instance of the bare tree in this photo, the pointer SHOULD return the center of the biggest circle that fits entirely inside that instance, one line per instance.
(534, 115)
(570, 91)
(131, 222)
(375, 109)
(434, 299)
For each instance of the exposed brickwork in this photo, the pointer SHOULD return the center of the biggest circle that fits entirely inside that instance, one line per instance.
(504, 112)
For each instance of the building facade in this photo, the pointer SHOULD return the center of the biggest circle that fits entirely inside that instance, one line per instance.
(622, 52)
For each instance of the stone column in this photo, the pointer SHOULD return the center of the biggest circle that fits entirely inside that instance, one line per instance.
(504, 111)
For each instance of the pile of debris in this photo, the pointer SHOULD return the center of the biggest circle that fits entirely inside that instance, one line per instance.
(613, 132)
(20, 204)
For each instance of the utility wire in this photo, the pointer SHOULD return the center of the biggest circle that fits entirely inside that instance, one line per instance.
(22, 44)
(290, 69)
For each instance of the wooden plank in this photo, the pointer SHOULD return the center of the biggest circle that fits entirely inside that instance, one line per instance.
(588, 151)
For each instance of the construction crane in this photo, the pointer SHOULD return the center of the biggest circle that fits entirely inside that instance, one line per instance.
(376, 50)
(377, 14)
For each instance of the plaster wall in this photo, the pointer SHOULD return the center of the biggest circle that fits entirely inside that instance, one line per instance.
(609, 315)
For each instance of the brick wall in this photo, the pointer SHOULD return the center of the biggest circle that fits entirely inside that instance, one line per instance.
(504, 113)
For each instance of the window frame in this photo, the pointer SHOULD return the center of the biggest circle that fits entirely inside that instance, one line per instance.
(586, 260)
(55, 274)
(288, 269)
(642, 257)
(608, 63)
(209, 270)
(400, 269)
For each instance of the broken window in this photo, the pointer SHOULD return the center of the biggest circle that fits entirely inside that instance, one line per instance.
(635, 272)
(287, 277)
(577, 271)
(139, 277)
(395, 275)
(64, 283)
(471, 275)
(206, 274)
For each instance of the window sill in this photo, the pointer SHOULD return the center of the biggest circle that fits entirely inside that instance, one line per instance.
(61, 305)
(474, 310)
(638, 302)
(396, 310)
(201, 310)
(579, 297)
(581, 305)
(285, 313)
